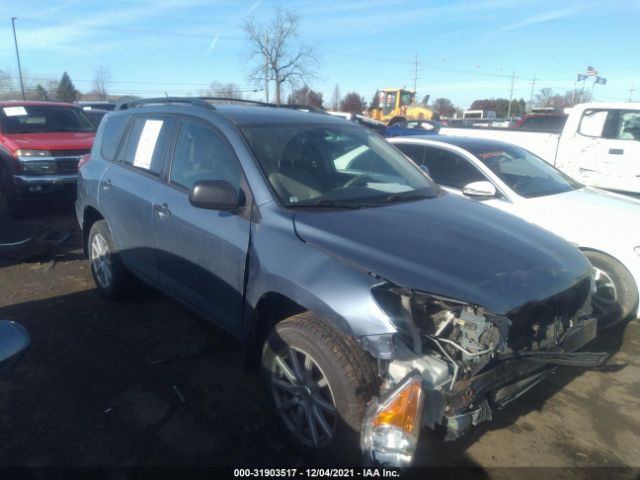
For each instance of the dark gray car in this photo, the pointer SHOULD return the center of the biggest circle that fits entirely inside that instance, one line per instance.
(375, 303)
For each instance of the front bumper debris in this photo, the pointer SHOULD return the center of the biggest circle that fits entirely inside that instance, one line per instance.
(469, 402)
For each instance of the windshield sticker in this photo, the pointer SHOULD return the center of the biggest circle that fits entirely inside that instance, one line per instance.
(14, 111)
(485, 155)
(147, 144)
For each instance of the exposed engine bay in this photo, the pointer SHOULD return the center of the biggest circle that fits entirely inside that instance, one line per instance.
(471, 360)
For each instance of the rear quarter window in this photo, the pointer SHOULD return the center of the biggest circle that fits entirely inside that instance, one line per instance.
(112, 134)
(148, 141)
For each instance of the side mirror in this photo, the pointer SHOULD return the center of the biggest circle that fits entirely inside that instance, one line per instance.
(483, 188)
(215, 195)
(425, 169)
(14, 340)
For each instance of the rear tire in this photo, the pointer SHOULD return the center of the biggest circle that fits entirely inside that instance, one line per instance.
(616, 298)
(318, 382)
(112, 278)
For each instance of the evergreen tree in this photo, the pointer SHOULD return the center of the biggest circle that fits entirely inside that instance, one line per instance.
(66, 91)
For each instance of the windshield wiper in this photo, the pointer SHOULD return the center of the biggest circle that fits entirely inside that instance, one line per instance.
(406, 196)
(324, 203)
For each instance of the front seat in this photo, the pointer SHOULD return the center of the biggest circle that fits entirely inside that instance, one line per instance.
(298, 178)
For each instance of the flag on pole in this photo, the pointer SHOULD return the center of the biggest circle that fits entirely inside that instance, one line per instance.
(601, 80)
(581, 77)
(591, 72)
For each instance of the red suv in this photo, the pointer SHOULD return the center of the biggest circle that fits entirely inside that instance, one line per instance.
(40, 147)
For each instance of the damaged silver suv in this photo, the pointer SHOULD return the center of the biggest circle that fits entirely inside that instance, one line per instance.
(375, 303)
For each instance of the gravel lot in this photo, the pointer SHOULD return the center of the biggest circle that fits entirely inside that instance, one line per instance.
(145, 383)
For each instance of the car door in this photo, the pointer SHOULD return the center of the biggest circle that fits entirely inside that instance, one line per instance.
(202, 253)
(128, 186)
(604, 151)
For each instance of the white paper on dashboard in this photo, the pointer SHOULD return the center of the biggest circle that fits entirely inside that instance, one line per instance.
(14, 111)
(147, 144)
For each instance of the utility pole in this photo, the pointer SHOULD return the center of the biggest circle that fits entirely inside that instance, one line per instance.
(513, 79)
(15, 41)
(266, 69)
(533, 84)
(631, 90)
(415, 76)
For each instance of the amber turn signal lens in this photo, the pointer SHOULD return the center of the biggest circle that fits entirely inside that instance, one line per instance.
(403, 410)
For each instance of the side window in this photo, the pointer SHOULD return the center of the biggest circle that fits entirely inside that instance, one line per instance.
(413, 151)
(202, 153)
(148, 142)
(592, 123)
(112, 132)
(450, 169)
(628, 127)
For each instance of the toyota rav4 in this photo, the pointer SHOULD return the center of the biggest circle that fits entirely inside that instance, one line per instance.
(375, 303)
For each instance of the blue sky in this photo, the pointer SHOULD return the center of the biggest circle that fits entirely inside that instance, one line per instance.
(466, 49)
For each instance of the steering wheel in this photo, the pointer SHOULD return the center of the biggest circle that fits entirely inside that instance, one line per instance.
(359, 181)
(523, 182)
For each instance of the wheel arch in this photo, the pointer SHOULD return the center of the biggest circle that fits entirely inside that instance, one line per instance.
(271, 308)
(90, 215)
(621, 264)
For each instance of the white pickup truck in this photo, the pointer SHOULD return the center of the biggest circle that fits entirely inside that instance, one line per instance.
(599, 145)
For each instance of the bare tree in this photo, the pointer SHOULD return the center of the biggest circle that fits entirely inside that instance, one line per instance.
(353, 103)
(548, 98)
(444, 107)
(225, 90)
(305, 96)
(6, 85)
(101, 81)
(281, 58)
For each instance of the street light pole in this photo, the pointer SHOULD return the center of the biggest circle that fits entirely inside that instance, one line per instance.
(15, 40)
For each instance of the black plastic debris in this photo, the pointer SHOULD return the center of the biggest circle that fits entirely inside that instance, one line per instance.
(37, 245)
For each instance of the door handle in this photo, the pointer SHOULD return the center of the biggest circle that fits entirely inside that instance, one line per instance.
(163, 209)
(616, 151)
(106, 185)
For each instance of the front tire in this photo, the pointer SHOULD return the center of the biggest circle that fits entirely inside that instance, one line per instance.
(109, 273)
(318, 382)
(616, 297)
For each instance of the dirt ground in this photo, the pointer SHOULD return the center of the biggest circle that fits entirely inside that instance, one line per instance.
(145, 383)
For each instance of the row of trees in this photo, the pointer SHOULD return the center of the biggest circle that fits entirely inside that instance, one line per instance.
(62, 90)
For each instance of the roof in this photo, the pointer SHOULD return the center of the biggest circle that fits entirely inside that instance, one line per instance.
(26, 103)
(252, 115)
(462, 142)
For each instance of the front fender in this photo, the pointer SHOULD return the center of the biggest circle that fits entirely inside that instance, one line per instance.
(281, 263)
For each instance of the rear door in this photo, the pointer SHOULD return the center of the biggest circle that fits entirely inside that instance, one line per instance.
(128, 186)
(202, 253)
(605, 150)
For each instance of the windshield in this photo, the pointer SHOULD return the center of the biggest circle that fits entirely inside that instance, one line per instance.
(340, 166)
(45, 119)
(524, 173)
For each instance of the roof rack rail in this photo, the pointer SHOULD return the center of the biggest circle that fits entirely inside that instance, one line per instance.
(196, 102)
(265, 104)
(305, 107)
(238, 100)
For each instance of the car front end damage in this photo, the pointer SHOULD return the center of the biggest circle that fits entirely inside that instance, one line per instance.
(453, 364)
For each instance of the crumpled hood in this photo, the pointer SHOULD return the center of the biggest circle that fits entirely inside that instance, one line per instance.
(450, 246)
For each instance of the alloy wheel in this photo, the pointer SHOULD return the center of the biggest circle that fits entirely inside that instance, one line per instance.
(101, 260)
(303, 397)
(605, 298)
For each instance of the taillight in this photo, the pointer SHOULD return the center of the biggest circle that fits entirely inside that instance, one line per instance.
(84, 159)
